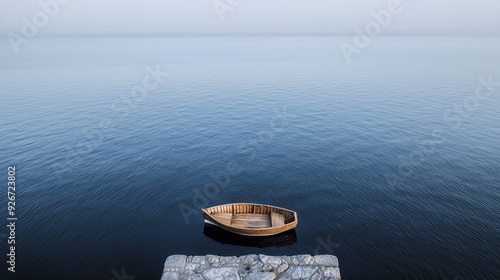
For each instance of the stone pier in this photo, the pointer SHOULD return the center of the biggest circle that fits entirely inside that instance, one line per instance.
(251, 267)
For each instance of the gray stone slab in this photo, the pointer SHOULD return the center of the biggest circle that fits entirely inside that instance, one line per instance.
(332, 272)
(170, 276)
(251, 267)
(221, 273)
(301, 272)
(325, 260)
(304, 259)
(270, 260)
(261, 276)
(175, 263)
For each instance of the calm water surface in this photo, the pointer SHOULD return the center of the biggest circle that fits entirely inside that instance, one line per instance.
(391, 160)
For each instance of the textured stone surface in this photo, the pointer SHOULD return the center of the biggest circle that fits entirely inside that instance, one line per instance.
(260, 276)
(170, 276)
(221, 273)
(270, 260)
(326, 260)
(282, 268)
(175, 263)
(301, 272)
(304, 259)
(251, 267)
(332, 272)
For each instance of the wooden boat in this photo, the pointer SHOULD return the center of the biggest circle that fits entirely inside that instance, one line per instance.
(251, 219)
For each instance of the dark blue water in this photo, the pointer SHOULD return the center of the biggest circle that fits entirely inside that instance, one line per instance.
(392, 161)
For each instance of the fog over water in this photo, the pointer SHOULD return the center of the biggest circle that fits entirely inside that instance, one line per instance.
(157, 17)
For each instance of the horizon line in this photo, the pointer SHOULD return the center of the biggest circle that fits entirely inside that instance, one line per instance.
(259, 35)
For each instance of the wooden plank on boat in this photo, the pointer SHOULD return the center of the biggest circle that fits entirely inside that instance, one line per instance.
(251, 220)
(277, 219)
(224, 218)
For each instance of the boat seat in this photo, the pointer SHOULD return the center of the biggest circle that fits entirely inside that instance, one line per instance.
(277, 219)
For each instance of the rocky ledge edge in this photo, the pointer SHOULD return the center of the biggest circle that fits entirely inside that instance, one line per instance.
(251, 267)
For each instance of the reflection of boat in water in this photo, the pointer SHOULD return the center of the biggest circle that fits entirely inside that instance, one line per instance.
(225, 237)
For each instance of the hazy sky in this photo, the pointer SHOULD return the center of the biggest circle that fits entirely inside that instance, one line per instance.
(163, 17)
